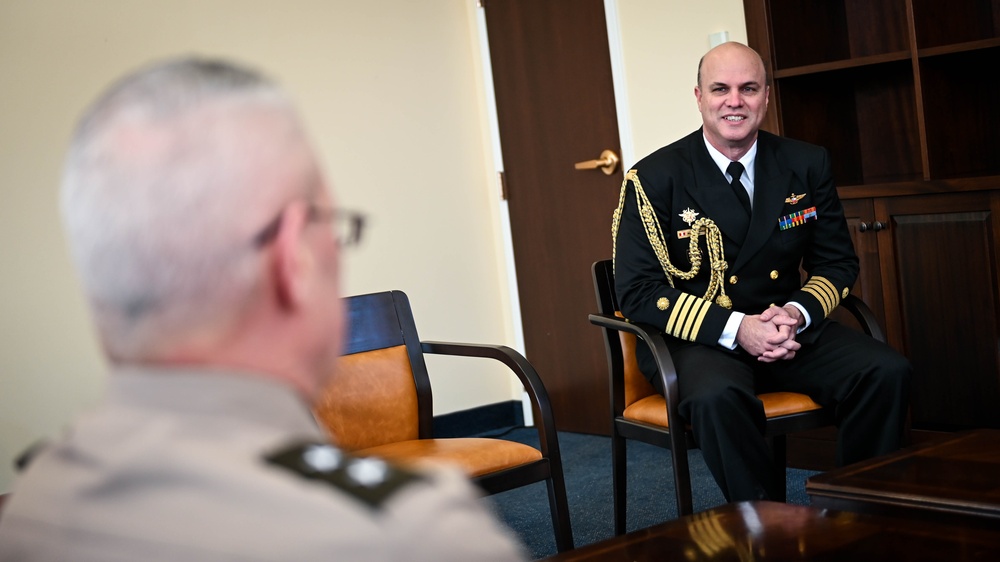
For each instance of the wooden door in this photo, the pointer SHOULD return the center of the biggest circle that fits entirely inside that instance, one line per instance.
(556, 106)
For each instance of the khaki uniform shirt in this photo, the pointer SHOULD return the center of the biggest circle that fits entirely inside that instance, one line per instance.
(174, 466)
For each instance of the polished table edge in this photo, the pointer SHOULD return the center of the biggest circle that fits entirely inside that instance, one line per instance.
(845, 497)
(761, 528)
(830, 490)
(910, 451)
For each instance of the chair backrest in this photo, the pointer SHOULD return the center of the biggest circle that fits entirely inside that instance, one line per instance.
(635, 386)
(380, 392)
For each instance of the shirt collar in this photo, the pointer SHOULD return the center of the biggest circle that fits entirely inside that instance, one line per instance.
(723, 162)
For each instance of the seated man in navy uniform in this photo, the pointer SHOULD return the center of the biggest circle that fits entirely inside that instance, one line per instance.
(198, 219)
(709, 236)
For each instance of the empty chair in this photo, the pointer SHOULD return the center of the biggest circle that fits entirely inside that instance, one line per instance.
(379, 403)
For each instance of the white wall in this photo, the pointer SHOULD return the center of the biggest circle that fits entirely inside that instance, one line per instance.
(392, 94)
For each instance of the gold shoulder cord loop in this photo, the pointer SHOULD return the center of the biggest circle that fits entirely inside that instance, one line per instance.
(702, 226)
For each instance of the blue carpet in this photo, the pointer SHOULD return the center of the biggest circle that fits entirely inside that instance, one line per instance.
(587, 467)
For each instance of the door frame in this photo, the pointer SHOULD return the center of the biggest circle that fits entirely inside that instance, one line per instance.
(625, 140)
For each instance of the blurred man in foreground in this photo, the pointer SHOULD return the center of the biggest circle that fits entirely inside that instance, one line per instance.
(200, 226)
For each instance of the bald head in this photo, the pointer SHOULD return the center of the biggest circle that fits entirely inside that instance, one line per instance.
(732, 49)
(169, 175)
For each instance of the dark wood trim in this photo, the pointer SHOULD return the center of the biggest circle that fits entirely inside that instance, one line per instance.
(928, 187)
(843, 64)
(958, 48)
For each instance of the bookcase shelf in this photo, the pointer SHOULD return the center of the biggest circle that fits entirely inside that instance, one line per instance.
(898, 90)
(937, 23)
(866, 116)
(961, 112)
(903, 93)
(808, 32)
(842, 64)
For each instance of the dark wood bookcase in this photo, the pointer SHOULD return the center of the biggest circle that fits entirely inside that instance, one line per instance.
(906, 96)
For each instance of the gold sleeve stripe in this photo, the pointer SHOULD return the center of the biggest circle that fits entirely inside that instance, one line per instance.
(687, 316)
(703, 306)
(678, 313)
(692, 312)
(824, 291)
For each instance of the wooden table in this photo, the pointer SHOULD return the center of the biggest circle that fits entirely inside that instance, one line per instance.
(955, 479)
(777, 531)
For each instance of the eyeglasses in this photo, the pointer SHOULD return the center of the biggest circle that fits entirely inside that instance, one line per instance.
(347, 226)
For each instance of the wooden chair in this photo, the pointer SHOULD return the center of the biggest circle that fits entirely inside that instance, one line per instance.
(379, 403)
(639, 412)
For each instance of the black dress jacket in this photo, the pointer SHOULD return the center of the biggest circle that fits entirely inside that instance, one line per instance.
(797, 220)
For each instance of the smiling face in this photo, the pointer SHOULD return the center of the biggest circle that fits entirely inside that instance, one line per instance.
(732, 97)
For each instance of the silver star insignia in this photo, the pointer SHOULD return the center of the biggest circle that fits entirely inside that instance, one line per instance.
(368, 472)
(322, 458)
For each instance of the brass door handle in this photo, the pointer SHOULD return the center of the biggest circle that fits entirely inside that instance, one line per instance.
(608, 162)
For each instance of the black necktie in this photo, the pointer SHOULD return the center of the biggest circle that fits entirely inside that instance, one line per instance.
(735, 170)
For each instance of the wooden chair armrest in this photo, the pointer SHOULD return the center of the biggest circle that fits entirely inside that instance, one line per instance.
(863, 314)
(524, 371)
(653, 338)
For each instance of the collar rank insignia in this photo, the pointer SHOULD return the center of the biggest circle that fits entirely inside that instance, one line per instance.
(689, 216)
(794, 199)
(368, 480)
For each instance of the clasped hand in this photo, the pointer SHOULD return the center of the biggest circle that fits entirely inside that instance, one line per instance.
(770, 335)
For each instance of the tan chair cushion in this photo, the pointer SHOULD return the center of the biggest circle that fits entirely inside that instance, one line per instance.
(475, 456)
(653, 409)
(778, 404)
(371, 400)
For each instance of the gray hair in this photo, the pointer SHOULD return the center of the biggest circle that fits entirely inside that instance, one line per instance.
(161, 193)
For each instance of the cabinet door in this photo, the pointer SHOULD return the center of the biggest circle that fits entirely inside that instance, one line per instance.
(939, 271)
(861, 222)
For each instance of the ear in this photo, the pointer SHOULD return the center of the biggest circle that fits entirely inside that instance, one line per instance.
(291, 259)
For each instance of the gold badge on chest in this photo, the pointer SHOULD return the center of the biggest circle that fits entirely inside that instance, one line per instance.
(794, 199)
